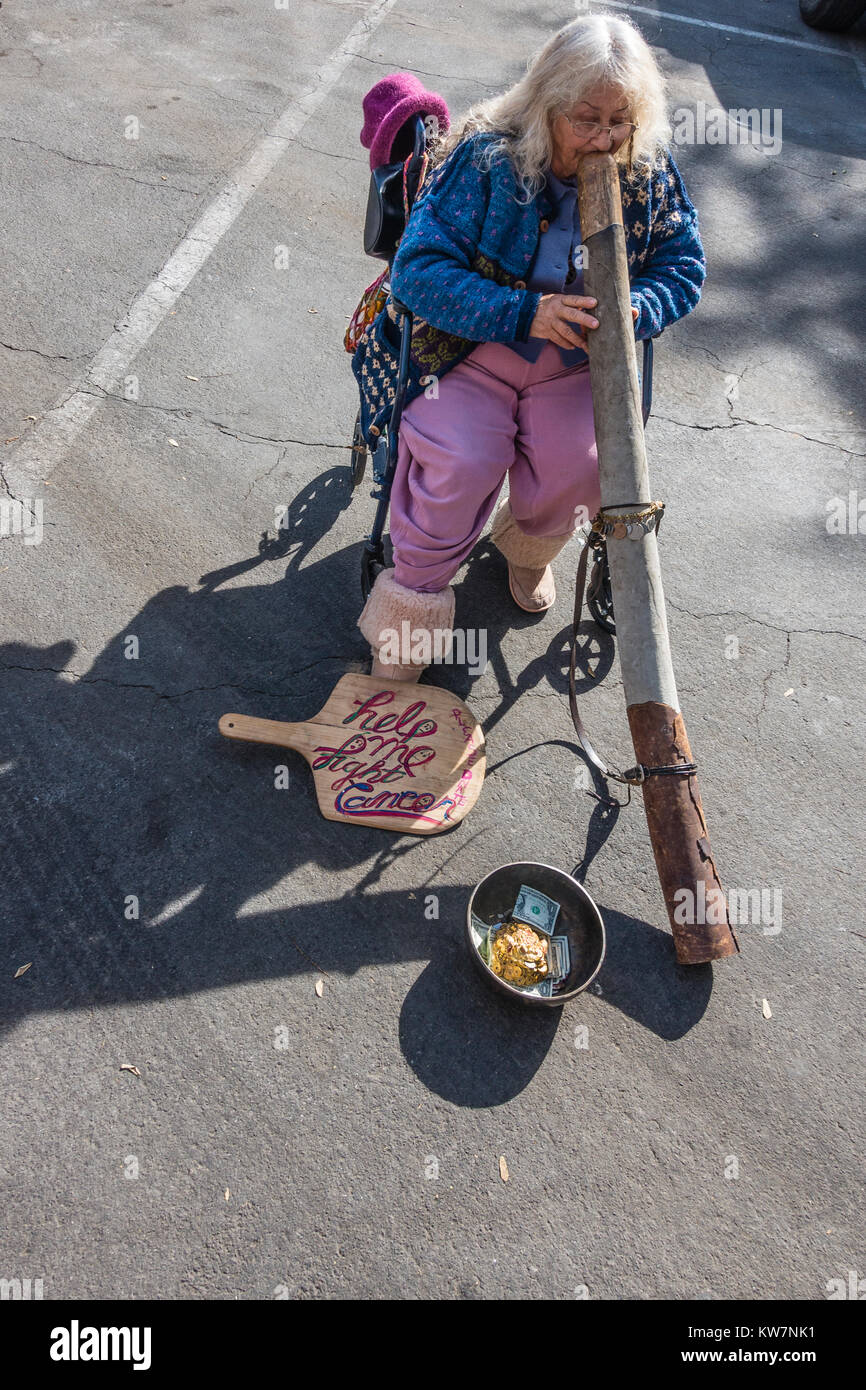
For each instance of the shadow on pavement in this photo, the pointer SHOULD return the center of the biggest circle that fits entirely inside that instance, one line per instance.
(117, 788)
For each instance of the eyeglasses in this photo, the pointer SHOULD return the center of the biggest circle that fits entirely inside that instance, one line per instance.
(589, 130)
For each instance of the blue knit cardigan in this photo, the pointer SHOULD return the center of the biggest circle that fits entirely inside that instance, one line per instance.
(466, 253)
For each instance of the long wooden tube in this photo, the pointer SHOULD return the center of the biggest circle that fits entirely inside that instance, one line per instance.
(678, 831)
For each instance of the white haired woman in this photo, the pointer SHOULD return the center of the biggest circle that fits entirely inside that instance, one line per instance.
(490, 266)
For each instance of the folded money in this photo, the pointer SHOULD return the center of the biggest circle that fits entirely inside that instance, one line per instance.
(536, 908)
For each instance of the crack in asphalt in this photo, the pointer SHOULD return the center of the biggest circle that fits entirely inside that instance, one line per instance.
(83, 679)
(423, 72)
(254, 484)
(757, 424)
(6, 487)
(762, 622)
(210, 91)
(22, 501)
(694, 347)
(776, 671)
(246, 437)
(329, 154)
(49, 356)
(99, 164)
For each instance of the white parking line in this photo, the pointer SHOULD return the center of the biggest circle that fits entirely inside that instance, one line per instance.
(45, 446)
(732, 29)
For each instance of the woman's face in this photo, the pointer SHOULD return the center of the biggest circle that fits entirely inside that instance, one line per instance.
(604, 105)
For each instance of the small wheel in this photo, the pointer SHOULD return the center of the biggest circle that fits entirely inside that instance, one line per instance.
(599, 596)
(358, 462)
(832, 15)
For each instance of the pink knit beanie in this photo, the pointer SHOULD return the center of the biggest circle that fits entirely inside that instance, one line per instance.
(387, 107)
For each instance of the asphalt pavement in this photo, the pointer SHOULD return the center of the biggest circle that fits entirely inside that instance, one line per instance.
(183, 198)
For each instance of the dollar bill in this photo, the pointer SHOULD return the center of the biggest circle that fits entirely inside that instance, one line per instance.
(559, 957)
(543, 990)
(536, 908)
(481, 936)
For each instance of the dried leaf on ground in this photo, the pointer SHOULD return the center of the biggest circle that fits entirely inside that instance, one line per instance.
(21, 969)
(765, 1008)
(127, 1066)
(320, 987)
(503, 1168)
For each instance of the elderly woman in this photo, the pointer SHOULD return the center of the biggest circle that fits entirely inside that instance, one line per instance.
(490, 266)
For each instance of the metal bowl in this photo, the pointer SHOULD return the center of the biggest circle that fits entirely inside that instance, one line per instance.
(579, 919)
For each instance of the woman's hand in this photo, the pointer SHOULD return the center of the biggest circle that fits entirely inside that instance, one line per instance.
(557, 312)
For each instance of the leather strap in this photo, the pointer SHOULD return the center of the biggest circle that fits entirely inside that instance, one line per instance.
(633, 776)
(579, 726)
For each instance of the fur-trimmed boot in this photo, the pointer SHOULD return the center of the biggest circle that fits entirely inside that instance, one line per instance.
(400, 624)
(530, 577)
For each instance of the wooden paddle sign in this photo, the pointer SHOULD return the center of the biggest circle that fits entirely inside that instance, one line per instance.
(401, 757)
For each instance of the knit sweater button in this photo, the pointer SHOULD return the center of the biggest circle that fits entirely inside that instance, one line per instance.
(544, 224)
(520, 284)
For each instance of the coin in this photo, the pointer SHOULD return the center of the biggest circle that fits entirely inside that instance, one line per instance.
(518, 954)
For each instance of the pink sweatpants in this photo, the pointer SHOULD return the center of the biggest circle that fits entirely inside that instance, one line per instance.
(496, 413)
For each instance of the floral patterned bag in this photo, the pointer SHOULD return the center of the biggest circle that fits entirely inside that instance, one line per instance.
(373, 301)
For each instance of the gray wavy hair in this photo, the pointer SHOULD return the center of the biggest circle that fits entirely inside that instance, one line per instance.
(590, 50)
